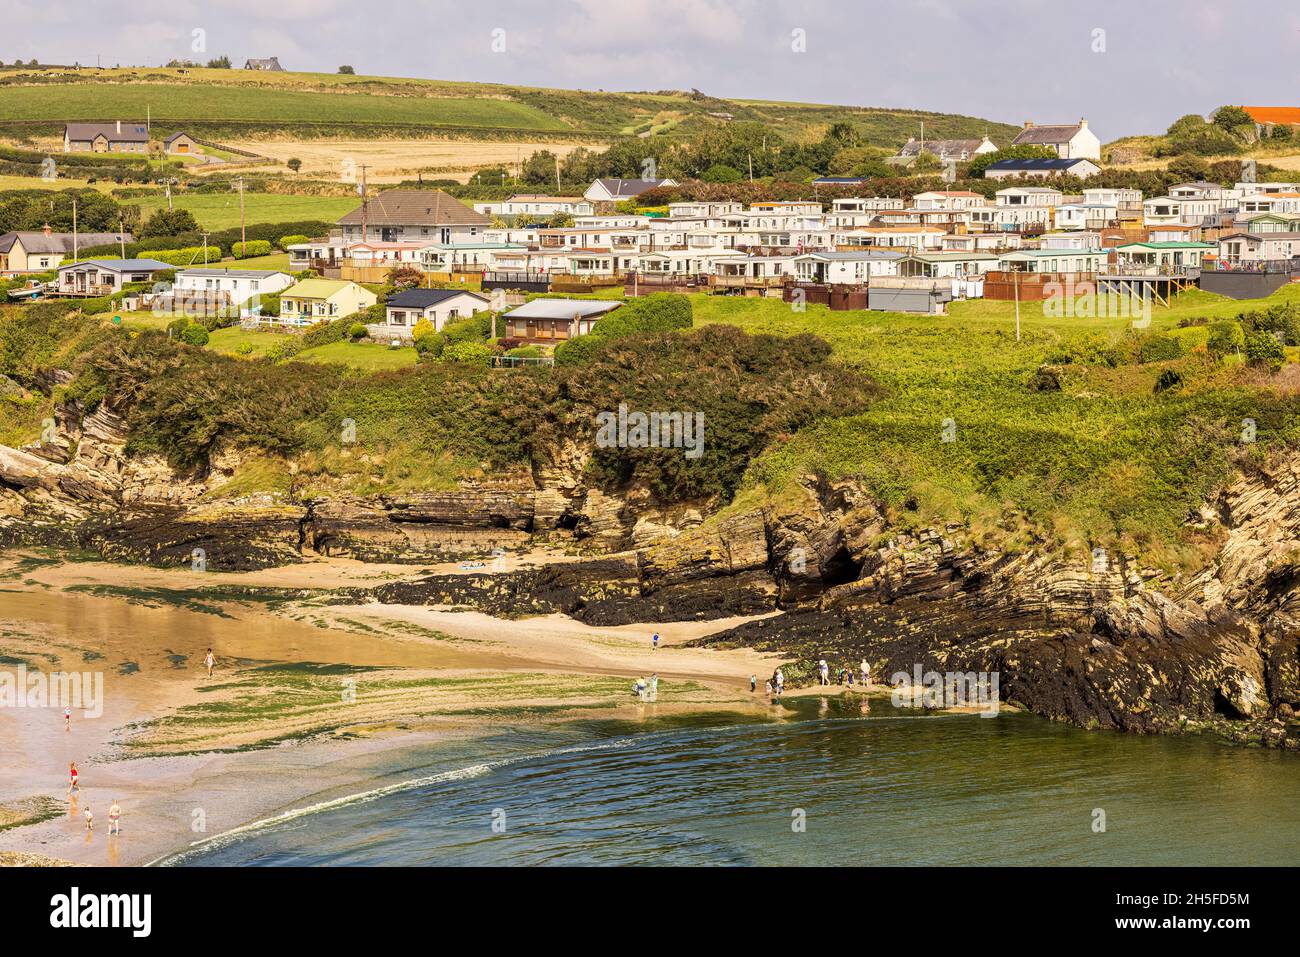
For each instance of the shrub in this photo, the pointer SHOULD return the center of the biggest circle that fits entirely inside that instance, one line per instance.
(357, 331)
(1264, 349)
(195, 334)
(1159, 348)
(284, 242)
(1225, 337)
(254, 247)
(323, 333)
(185, 256)
(477, 352)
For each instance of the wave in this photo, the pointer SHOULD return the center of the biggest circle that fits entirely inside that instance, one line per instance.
(225, 838)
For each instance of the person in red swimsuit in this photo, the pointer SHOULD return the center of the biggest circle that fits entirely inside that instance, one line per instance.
(72, 774)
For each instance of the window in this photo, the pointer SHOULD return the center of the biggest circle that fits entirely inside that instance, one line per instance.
(397, 318)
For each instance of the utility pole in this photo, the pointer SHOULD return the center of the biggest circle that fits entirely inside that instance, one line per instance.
(205, 249)
(243, 233)
(365, 207)
(751, 167)
(74, 229)
(558, 187)
(121, 236)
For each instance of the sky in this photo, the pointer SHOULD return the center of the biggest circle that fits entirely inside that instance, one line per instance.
(1128, 67)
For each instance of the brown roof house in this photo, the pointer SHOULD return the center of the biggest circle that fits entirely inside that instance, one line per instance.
(31, 252)
(1070, 140)
(413, 215)
(181, 142)
(115, 137)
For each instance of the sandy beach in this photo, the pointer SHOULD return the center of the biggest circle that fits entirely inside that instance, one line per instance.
(310, 701)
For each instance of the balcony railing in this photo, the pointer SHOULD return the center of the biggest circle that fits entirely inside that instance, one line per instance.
(1268, 266)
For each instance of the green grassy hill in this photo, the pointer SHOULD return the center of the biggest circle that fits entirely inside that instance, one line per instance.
(221, 102)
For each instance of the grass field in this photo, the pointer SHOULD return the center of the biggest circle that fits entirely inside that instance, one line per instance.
(221, 210)
(209, 98)
(1104, 460)
(176, 104)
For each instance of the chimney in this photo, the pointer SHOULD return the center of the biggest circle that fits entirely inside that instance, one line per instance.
(1029, 124)
(1083, 124)
(119, 127)
(46, 230)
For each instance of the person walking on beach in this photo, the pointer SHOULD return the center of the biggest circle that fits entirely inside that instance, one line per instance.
(824, 670)
(114, 818)
(866, 673)
(67, 719)
(654, 686)
(72, 778)
(767, 688)
(210, 661)
(753, 683)
(655, 642)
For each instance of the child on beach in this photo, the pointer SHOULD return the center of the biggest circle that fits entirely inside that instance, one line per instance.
(768, 689)
(67, 719)
(114, 818)
(655, 642)
(210, 661)
(90, 820)
(654, 687)
(72, 775)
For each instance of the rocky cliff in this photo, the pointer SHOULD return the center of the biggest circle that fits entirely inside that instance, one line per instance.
(1095, 639)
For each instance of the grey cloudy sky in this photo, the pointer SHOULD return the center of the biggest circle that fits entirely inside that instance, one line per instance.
(1007, 60)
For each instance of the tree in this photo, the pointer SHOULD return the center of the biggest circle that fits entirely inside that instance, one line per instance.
(169, 222)
(347, 70)
(294, 164)
(1282, 132)
(405, 277)
(1188, 167)
(220, 63)
(1230, 117)
(719, 173)
(1191, 123)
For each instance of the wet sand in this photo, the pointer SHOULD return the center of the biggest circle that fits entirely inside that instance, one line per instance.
(422, 676)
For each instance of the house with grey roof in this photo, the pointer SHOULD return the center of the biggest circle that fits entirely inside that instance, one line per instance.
(555, 320)
(437, 306)
(39, 251)
(1041, 168)
(960, 150)
(103, 277)
(413, 215)
(269, 63)
(114, 137)
(616, 190)
(1069, 140)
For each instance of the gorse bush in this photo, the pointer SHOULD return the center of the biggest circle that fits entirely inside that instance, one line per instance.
(183, 402)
